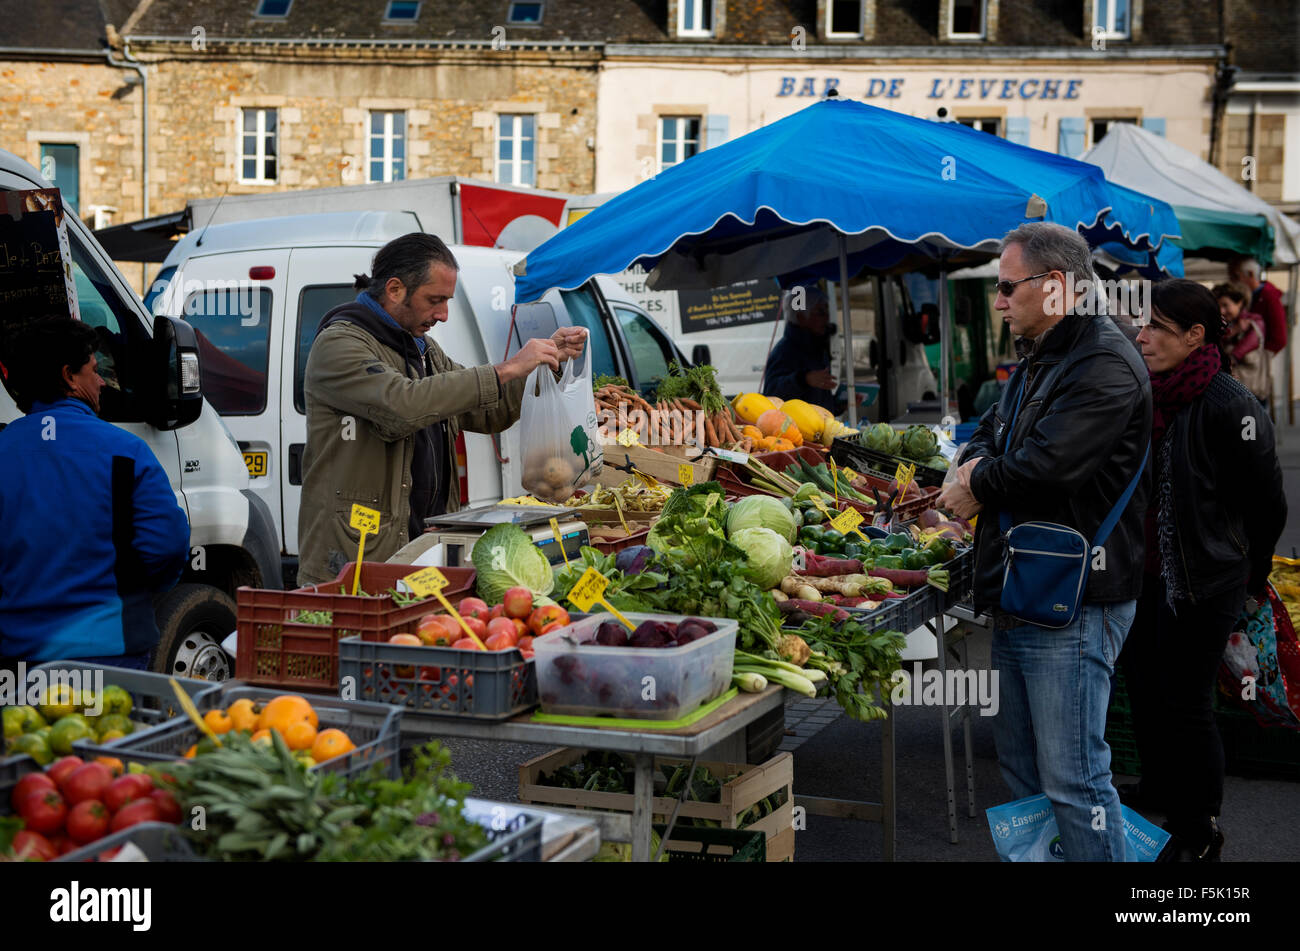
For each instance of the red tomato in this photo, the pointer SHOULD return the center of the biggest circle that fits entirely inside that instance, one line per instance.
(27, 785)
(124, 789)
(520, 628)
(546, 614)
(67, 846)
(518, 602)
(168, 809)
(474, 607)
(501, 642)
(448, 631)
(553, 626)
(34, 846)
(525, 643)
(88, 782)
(467, 644)
(431, 674)
(502, 625)
(528, 654)
(133, 813)
(61, 768)
(498, 610)
(88, 821)
(43, 811)
(478, 626)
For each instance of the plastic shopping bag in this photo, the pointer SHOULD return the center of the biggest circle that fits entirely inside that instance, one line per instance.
(559, 443)
(1026, 831)
(1253, 673)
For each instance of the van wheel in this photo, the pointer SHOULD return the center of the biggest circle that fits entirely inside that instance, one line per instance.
(194, 619)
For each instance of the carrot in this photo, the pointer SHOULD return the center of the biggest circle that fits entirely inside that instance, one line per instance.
(690, 404)
(710, 434)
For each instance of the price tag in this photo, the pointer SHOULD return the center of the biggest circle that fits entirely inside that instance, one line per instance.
(903, 476)
(431, 581)
(628, 438)
(849, 474)
(728, 455)
(685, 473)
(559, 540)
(590, 590)
(365, 521)
(847, 521)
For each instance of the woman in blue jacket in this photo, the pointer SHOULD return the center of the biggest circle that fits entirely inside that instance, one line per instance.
(90, 530)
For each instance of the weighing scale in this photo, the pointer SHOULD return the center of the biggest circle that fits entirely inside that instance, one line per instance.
(458, 531)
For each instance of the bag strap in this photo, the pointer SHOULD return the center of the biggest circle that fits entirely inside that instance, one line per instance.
(1112, 519)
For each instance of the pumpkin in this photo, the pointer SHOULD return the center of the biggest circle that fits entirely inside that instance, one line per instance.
(776, 423)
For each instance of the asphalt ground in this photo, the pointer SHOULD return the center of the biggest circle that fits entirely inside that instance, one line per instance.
(836, 757)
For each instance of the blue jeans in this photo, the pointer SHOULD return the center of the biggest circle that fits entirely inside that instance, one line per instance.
(1053, 691)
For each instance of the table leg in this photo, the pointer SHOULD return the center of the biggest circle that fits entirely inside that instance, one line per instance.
(967, 739)
(887, 799)
(940, 641)
(642, 806)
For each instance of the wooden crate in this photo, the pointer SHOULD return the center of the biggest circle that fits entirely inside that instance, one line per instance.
(660, 465)
(754, 784)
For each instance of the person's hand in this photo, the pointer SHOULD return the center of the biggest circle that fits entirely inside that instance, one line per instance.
(569, 341)
(534, 353)
(957, 496)
(820, 379)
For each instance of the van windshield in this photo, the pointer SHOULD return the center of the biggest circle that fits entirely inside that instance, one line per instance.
(585, 312)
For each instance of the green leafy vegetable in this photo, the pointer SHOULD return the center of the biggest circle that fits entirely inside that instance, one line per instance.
(626, 592)
(768, 555)
(690, 513)
(506, 558)
(761, 511)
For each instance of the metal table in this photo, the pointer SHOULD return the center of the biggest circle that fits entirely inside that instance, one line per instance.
(719, 727)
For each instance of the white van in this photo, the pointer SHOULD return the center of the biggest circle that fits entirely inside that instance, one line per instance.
(255, 292)
(232, 533)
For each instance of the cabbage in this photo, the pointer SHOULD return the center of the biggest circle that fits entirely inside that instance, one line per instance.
(768, 556)
(507, 558)
(761, 511)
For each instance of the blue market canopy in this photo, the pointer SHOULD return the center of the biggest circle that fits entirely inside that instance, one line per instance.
(904, 194)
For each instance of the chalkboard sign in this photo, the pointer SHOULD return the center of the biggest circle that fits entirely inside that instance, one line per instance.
(35, 261)
(751, 302)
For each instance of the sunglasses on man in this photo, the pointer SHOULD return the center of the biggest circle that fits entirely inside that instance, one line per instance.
(1007, 288)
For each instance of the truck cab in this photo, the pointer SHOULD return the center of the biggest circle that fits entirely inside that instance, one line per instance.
(232, 535)
(255, 292)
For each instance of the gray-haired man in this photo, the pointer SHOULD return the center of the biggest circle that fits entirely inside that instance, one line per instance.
(1080, 434)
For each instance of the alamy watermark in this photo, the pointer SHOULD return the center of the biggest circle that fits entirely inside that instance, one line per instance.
(671, 427)
(37, 688)
(1127, 297)
(953, 688)
(213, 298)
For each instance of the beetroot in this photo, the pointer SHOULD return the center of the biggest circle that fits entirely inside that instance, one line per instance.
(651, 634)
(611, 634)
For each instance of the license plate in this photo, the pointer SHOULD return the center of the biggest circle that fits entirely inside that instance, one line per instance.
(256, 462)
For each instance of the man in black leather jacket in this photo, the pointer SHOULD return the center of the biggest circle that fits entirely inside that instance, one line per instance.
(1080, 435)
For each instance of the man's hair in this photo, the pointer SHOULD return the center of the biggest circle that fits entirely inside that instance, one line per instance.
(1052, 247)
(1232, 290)
(1244, 266)
(36, 356)
(1187, 303)
(408, 259)
(812, 296)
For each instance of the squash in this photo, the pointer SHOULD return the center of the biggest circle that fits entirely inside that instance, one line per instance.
(753, 432)
(776, 423)
(782, 445)
(776, 402)
(811, 423)
(750, 406)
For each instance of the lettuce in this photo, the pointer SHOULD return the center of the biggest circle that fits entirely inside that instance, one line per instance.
(505, 557)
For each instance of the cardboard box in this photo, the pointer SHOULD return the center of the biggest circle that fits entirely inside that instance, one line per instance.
(663, 466)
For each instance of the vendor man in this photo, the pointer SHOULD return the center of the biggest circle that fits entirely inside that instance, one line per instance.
(385, 405)
(799, 367)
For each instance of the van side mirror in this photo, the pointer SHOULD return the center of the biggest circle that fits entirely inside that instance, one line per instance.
(700, 354)
(177, 397)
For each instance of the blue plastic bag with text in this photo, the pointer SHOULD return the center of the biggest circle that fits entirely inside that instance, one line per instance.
(1026, 831)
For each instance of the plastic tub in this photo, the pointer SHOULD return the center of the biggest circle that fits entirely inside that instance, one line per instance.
(576, 679)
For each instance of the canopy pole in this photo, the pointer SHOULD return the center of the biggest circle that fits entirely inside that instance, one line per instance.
(846, 322)
(945, 344)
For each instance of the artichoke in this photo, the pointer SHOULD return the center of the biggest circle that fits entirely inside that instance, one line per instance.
(919, 442)
(937, 461)
(882, 438)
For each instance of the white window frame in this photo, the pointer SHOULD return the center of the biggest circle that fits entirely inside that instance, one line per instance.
(259, 15)
(1001, 123)
(830, 18)
(541, 15)
(1107, 29)
(984, 22)
(389, 20)
(700, 6)
(679, 140)
(1090, 140)
(388, 138)
(259, 156)
(516, 164)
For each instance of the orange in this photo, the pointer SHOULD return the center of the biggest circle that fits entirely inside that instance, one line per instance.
(189, 754)
(300, 735)
(113, 763)
(331, 743)
(242, 715)
(262, 736)
(218, 721)
(286, 710)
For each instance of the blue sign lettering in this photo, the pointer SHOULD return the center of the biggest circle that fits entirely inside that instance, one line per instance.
(894, 90)
(809, 87)
(986, 86)
(934, 88)
(1051, 87)
(963, 86)
(1025, 85)
(787, 86)
(873, 90)
(1008, 89)
(831, 83)
(1071, 92)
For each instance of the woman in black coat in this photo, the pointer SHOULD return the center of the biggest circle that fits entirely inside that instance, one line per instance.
(1216, 511)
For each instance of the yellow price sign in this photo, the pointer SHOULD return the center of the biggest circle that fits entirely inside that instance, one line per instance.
(847, 521)
(685, 473)
(559, 540)
(903, 476)
(590, 590)
(628, 438)
(365, 521)
(431, 581)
